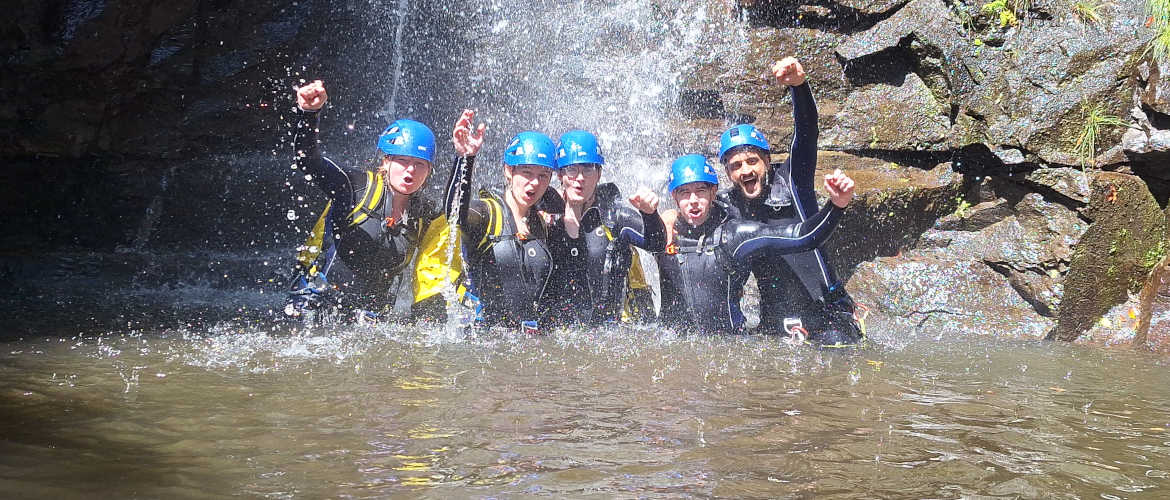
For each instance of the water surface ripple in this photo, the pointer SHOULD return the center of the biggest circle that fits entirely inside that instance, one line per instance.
(376, 411)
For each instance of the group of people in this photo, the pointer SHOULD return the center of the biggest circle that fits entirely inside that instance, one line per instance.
(529, 257)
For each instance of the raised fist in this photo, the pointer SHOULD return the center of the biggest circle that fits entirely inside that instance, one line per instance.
(788, 71)
(645, 200)
(312, 96)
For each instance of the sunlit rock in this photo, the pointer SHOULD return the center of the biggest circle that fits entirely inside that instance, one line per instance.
(1153, 310)
(1112, 259)
(890, 117)
(931, 295)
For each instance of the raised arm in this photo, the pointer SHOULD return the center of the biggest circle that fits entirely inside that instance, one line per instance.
(802, 160)
(642, 227)
(746, 238)
(326, 175)
(473, 219)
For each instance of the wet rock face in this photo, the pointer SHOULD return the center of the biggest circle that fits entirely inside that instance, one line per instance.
(169, 120)
(1003, 248)
(928, 294)
(1112, 259)
(889, 117)
(1153, 329)
(894, 206)
(1023, 89)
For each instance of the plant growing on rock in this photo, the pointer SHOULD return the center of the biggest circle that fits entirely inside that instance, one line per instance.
(1159, 20)
(1088, 11)
(1008, 12)
(1094, 120)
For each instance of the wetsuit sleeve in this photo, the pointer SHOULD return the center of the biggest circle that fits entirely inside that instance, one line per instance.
(473, 217)
(744, 239)
(326, 175)
(641, 229)
(802, 162)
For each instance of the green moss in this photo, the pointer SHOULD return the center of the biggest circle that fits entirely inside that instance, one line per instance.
(1154, 255)
(961, 210)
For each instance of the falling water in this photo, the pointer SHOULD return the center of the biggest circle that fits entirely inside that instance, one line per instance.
(153, 212)
(399, 30)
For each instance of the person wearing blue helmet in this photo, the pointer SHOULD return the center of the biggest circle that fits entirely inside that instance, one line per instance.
(504, 236)
(591, 235)
(372, 222)
(710, 253)
(799, 288)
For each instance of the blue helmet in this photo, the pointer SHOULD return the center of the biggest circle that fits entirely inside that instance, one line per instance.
(578, 146)
(408, 138)
(741, 135)
(531, 148)
(691, 168)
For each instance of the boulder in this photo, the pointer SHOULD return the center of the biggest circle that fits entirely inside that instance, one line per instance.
(893, 207)
(1115, 254)
(1024, 91)
(1155, 94)
(1072, 183)
(927, 293)
(1153, 330)
(1028, 242)
(890, 117)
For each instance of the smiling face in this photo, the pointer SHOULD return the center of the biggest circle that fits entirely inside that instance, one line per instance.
(747, 168)
(579, 182)
(694, 201)
(527, 183)
(405, 174)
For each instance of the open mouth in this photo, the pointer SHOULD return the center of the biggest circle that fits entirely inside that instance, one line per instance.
(750, 182)
(529, 194)
(694, 213)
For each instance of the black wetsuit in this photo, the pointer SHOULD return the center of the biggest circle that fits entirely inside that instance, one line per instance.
(506, 271)
(589, 272)
(821, 303)
(700, 279)
(375, 251)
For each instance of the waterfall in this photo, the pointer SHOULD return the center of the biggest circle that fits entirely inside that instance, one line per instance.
(152, 214)
(396, 83)
(615, 69)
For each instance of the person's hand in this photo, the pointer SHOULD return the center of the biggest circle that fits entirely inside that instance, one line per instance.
(840, 188)
(788, 71)
(312, 96)
(669, 217)
(645, 200)
(467, 141)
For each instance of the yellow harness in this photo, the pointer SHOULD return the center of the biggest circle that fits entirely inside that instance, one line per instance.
(307, 256)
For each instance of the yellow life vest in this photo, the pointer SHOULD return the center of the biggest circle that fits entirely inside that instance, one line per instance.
(313, 246)
(432, 271)
(638, 292)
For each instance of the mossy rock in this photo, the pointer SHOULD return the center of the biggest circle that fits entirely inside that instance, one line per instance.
(1113, 257)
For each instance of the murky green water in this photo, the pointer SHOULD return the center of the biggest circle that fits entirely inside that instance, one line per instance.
(376, 411)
